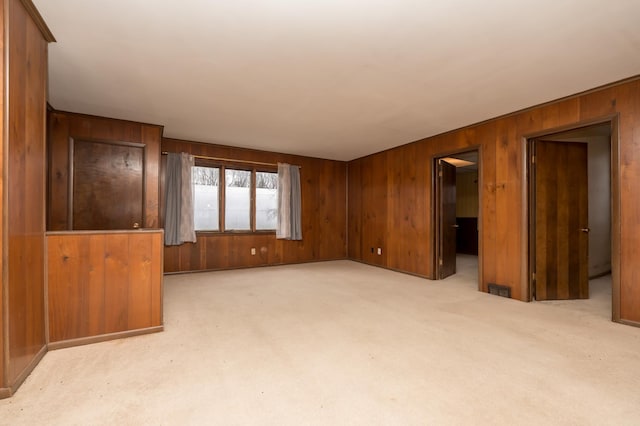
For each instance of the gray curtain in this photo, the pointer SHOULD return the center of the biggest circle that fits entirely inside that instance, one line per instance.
(289, 224)
(296, 204)
(178, 221)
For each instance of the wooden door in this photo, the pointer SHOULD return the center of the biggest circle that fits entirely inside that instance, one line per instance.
(561, 264)
(447, 219)
(107, 185)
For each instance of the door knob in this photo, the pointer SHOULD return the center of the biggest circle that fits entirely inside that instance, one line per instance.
(585, 230)
(136, 225)
(455, 226)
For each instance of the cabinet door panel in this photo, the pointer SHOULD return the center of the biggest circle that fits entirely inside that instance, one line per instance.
(108, 185)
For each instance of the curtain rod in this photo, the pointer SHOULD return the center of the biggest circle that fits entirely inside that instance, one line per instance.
(231, 160)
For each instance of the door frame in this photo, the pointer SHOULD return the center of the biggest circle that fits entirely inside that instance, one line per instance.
(529, 227)
(435, 210)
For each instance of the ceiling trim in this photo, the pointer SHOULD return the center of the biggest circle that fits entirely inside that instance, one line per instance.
(39, 21)
(520, 111)
(52, 109)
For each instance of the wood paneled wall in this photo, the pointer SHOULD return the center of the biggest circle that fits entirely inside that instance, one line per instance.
(64, 125)
(4, 389)
(390, 199)
(467, 201)
(388, 209)
(23, 217)
(102, 283)
(323, 218)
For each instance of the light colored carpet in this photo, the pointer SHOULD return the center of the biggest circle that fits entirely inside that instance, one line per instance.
(341, 343)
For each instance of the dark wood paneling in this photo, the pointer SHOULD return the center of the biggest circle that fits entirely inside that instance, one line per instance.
(374, 209)
(447, 219)
(323, 218)
(626, 99)
(102, 173)
(25, 185)
(100, 283)
(64, 126)
(405, 188)
(354, 210)
(4, 391)
(561, 211)
(502, 190)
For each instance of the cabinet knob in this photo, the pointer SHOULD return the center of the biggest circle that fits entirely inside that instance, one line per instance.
(136, 225)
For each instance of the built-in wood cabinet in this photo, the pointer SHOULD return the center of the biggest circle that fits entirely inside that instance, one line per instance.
(76, 140)
(103, 285)
(23, 60)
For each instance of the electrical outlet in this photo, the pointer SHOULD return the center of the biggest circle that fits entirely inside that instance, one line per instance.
(253, 251)
(379, 251)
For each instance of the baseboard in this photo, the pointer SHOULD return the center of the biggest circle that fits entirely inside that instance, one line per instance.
(5, 393)
(265, 265)
(25, 373)
(415, 274)
(631, 323)
(103, 337)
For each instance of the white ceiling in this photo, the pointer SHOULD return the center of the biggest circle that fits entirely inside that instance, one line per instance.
(335, 79)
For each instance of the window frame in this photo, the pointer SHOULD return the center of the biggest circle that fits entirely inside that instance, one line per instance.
(222, 194)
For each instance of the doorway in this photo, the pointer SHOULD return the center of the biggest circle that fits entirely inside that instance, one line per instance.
(457, 201)
(570, 213)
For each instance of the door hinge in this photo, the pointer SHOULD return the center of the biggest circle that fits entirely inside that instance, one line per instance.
(440, 262)
(533, 159)
(533, 276)
(440, 173)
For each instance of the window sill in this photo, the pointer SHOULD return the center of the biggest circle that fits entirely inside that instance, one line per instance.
(234, 233)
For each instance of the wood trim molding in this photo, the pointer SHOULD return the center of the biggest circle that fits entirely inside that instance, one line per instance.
(99, 117)
(38, 20)
(4, 193)
(435, 215)
(631, 323)
(616, 211)
(615, 176)
(413, 274)
(25, 373)
(5, 393)
(103, 337)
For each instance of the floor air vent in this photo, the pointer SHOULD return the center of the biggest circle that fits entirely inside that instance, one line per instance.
(500, 290)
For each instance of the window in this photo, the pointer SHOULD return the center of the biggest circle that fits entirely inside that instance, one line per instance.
(237, 200)
(206, 200)
(248, 198)
(266, 200)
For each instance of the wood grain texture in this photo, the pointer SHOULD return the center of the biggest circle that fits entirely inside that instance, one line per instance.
(627, 101)
(561, 211)
(354, 209)
(503, 227)
(4, 390)
(37, 19)
(23, 217)
(65, 126)
(112, 171)
(102, 283)
(447, 217)
(323, 218)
